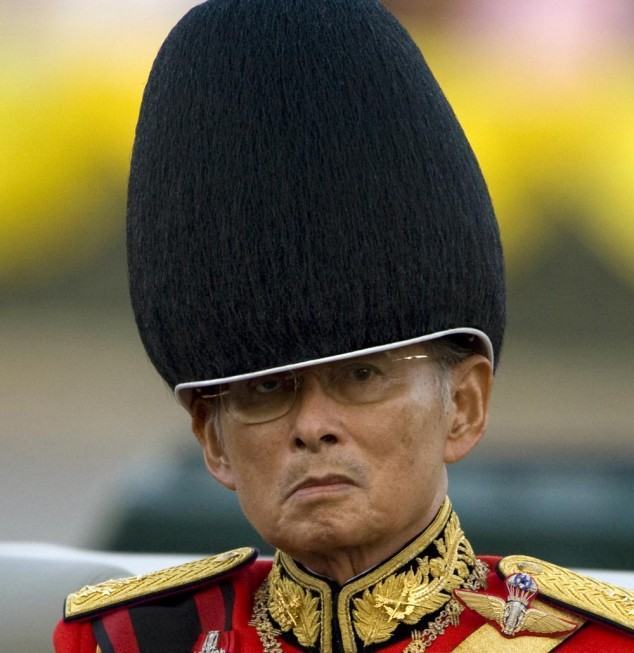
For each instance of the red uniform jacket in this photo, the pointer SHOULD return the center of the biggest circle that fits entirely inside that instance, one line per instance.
(434, 595)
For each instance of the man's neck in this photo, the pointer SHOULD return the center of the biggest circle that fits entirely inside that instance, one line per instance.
(342, 565)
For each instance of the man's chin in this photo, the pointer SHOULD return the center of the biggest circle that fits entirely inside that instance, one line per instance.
(319, 537)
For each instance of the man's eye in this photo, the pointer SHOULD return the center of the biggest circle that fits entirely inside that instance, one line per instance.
(362, 373)
(267, 386)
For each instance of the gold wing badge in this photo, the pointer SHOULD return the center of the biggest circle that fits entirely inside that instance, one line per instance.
(515, 614)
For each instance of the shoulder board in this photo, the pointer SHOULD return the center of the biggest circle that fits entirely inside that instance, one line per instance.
(92, 599)
(594, 598)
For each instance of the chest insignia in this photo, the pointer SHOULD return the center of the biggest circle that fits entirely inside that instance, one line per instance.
(515, 614)
(573, 590)
(211, 643)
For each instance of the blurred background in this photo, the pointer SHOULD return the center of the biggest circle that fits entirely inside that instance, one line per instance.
(94, 451)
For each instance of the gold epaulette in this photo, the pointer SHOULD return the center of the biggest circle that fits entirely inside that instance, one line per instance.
(578, 592)
(92, 599)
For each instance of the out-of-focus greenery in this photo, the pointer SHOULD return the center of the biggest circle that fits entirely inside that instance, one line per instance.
(550, 153)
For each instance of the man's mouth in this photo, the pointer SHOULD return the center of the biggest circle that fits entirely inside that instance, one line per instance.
(318, 484)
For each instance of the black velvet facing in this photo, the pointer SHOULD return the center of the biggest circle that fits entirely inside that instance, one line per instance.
(228, 596)
(102, 637)
(301, 188)
(173, 625)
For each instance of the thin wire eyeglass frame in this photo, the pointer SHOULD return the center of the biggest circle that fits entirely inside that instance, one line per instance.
(297, 381)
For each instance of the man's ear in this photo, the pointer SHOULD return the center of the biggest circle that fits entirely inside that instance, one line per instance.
(471, 382)
(205, 428)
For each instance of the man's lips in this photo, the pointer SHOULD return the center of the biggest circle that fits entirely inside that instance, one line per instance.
(318, 482)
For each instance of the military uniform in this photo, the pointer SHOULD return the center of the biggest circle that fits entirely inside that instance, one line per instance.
(433, 595)
(301, 193)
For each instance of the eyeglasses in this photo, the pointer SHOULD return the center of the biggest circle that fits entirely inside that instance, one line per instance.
(364, 380)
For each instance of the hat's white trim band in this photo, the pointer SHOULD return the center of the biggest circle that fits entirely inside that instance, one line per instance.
(182, 394)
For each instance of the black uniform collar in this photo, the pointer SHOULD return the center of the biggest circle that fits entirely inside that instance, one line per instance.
(385, 603)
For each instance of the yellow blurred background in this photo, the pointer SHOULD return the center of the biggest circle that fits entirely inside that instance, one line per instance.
(545, 92)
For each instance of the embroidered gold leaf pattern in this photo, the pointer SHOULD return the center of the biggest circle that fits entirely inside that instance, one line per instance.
(402, 577)
(112, 592)
(370, 620)
(293, 608)
(421, 640)
(410, 596)
(307, 629)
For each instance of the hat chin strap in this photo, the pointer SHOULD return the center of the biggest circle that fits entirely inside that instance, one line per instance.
(183, 391)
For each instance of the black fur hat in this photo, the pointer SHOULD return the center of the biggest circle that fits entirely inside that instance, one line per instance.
(301, 189)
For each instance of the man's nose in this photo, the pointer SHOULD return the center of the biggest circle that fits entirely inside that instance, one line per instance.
(315, 416)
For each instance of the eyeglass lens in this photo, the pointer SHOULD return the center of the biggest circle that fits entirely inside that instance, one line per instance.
(365, 380)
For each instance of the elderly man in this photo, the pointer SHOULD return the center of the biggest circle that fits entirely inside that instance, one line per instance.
(315, 268)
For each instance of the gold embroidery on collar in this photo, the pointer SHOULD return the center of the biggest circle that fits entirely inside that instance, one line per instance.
(293, 608)
(385, 597)
(409, 596)
(420, 641)
(319, 586)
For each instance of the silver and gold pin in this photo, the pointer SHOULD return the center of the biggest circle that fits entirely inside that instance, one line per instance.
(210, 645)
(515, 614)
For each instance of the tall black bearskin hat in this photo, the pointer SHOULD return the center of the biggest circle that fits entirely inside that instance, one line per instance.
(300, 192)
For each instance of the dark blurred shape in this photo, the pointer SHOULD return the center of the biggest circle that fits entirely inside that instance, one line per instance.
(571, 295)
(173, 505)
(574, 512)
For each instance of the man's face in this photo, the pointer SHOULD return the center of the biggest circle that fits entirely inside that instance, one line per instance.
(330, 476)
